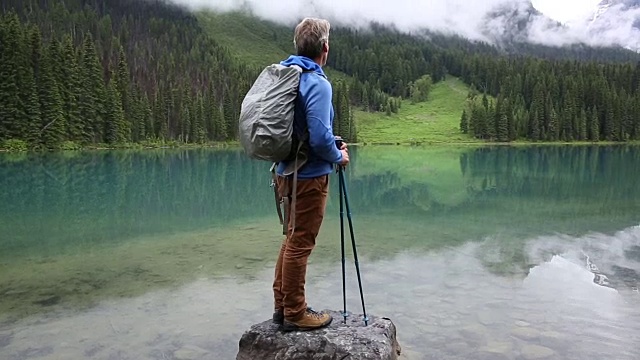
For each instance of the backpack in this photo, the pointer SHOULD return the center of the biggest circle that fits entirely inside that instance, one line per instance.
(266, 129)
(267, 115)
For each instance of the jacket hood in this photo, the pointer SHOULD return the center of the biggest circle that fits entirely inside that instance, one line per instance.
(304, 62)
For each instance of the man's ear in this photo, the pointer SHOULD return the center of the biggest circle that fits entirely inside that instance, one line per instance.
(325, 47)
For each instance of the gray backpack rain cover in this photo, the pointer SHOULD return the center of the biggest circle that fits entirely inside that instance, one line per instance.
(267, 113)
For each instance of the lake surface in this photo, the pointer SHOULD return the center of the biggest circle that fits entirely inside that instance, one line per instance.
(474, 253)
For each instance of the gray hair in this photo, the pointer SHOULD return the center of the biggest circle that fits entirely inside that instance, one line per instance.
(310, 35)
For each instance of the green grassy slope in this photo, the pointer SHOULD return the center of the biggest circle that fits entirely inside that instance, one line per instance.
(435, 121)
(255, 41)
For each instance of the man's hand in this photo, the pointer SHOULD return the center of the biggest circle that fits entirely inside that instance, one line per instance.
(343, 146)
(345, 155)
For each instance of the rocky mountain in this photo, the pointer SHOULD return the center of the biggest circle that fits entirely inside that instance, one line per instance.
(514, 22)
(608, 7)
(614, 23)
(617, 21)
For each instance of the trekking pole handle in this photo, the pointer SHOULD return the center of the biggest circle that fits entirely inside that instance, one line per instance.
(339, 141)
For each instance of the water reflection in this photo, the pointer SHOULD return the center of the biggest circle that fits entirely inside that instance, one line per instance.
(53, 202)
(59, 201)
(446, 306)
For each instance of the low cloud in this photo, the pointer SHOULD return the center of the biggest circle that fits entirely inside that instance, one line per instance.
(486, 20)
(618, 25)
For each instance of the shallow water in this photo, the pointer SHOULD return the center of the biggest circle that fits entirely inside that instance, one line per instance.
(493, 253)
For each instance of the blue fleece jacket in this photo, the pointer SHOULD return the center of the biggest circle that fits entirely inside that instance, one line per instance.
(314, 107)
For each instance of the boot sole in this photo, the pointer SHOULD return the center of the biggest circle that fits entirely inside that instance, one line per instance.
(288, 327)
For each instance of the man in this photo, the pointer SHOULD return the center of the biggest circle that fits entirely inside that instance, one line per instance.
(314, 111)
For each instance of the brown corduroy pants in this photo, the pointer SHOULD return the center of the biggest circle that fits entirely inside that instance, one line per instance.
(291, 267)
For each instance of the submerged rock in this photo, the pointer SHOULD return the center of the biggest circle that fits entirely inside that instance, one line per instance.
(190, 352)
(633, 253)
(5, 339)
(353, 341)
(525, 333)
(48, 300)
(536, 352)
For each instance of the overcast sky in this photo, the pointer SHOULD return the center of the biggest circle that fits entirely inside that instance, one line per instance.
(463, 17)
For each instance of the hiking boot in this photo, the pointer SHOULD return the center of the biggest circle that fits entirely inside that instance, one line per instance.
(278, 316)
(310, 320)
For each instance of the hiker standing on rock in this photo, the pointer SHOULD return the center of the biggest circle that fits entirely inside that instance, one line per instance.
(313, 111)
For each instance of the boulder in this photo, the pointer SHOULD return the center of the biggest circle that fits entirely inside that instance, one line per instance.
(352, 341)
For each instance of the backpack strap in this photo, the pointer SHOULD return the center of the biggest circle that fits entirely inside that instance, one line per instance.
(303, 139)
(295, 186)
(289, 202)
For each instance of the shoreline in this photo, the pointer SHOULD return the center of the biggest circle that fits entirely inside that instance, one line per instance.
(236, 144)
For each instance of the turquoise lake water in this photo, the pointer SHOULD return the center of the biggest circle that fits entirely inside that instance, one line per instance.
(474, 253)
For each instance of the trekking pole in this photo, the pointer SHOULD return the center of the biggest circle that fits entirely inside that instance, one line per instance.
(344, 287)
(353, 240)
(342, 186)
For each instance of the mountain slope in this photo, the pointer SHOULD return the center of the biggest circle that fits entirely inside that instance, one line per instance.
(253, 41)
(513, 22)
(435, 121)
(617, 21)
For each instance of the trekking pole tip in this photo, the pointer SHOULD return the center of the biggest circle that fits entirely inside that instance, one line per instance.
(344, 316)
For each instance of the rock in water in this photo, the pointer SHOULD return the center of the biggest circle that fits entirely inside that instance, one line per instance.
(352, 341)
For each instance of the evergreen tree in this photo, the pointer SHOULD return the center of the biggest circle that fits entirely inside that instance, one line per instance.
(137, 118)
(115, 127)
(534, 131)
(421, 88)
(123, 87)
(228, 114)
(594, 126)
(92, 93)
(553, 128)
(199, 134)
(478, 121)
(145, 125)
(345, 113)
(30, 102)
(70, 90)
(609, 119)
(55, 54)
(464, 122)
(490, 129)
(220, 125)
(186, 116)
(162, 113)
(9, 73)
(582, 135)
(353, 133)
(51, 105)
(626, 131)
(502, 122)
(511, 122)
(566, 133)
